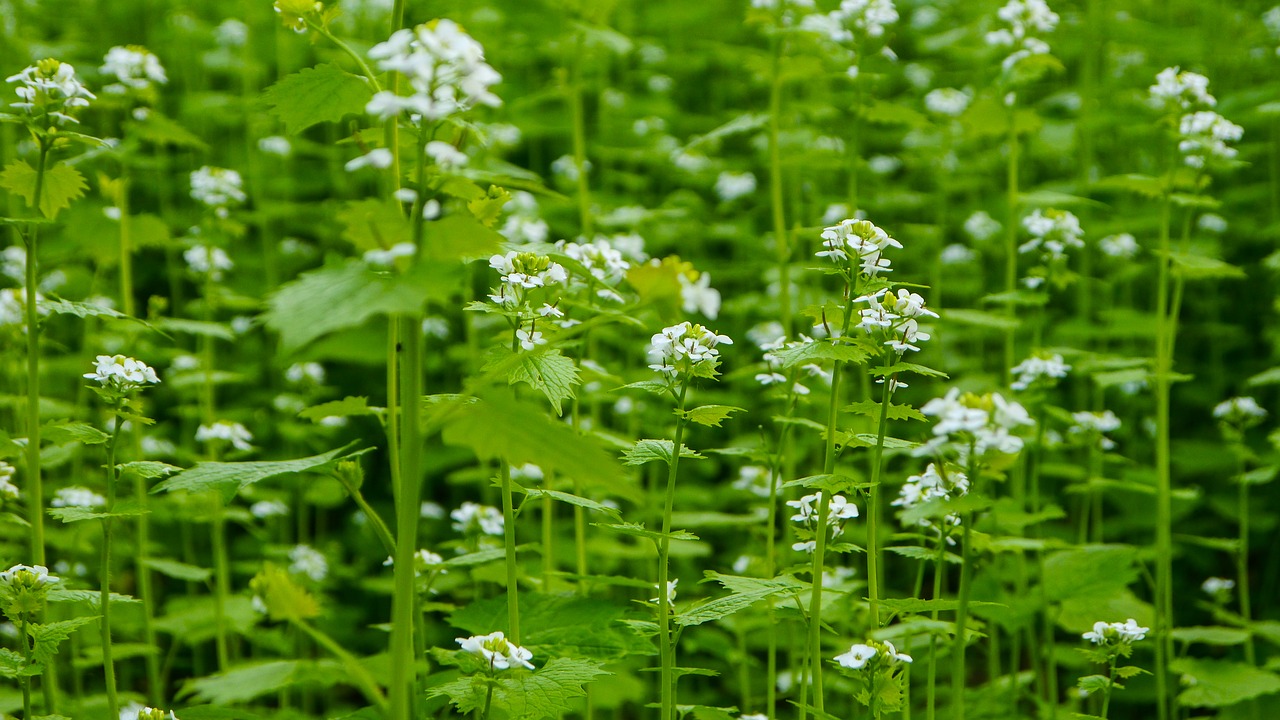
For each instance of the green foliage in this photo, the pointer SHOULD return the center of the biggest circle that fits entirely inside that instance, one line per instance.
(1221, 683)
(48, 637)
(249, 681)
(559, 626)
(548, 372)
(545, 693)
(645, 451)
(324, 93)
(710, 415)
(232, 476)
(60, 185)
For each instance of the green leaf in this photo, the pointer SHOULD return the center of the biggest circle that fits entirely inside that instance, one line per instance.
(710, 415)
(324, 93)
(1200, 267)
(879, 112)
(13, 665)
(1270, 376)
(67, 431)
(913, 605)
(346, 407)
(502, 428)
(645, 451)
(570, 499)
(283, 598)
(1219, 683)
(127, 508)
(83, 310)
(638, 530)
(49, 636)
(1090, 571)
(983, 319)
(345, 296)
(559, 625)
(548, 692)
(458, 236)
(373, 224)
(178, 570)
(822, 351)
(551, 373)
(722, 607)
(244, 683)
(199, 328)
(61, 184)
(871, 409)
(222, 476)
(901, 367)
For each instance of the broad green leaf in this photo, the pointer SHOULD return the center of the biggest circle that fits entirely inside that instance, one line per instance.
(244, 683)
(879, 112)
(457, 236)
(638, 530)
(123, 509)
(48, 636)
(345, 296)
(571, 499)
(645, 451)
(1270, 376)
(871, 409)
(1090, 571)
(373, 224)
(559, 625)
(550, 372)
(179, 570)
(83, 310)
(1202, 267)
(548, 692)
(14, 666)
(66, 431)
(148, 469)
(711, 415)
(488, 208)
(1211, 635)
(1219, 683)
(723, 607)
(194, 620)
(822, 351)
(222, 476)
(199, 328)
(61, 185)
(92, 597)
(502, 428)
(324, 93)
(906, 367)
(346, 407)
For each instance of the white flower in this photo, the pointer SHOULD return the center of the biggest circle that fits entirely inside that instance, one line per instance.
(380, 158)
(1098, 635)
(1052, 231)
(7, 488)
(1205, 135)
(500, 653)
(948, 102)
(50, 91)
(388, 257)
(894, 656)
(860, 239)
(485, 518)
(529, 340)
(75, 496)
(957, 254)
(122, 373)
(671, 592)
(1179, 90)
(226, 431)
(134, 67)
(698, 295)
(1239, 410)
(446, 155)
(30, 575)
(202, 259)
(1212, 222)
(445, 67)
(870, 16)
(1122, 245)
(217, 187)
(730, 185)
(306, 560)
(684, 347)
(1127, 632)
(307, 371)
(981, 226)
(1038, 367)
(231, 33)
(857, 656)
(276, 145)
(264, 509)
(1092, 424)
(1217, 585)
(1024, 19)
(602, 260)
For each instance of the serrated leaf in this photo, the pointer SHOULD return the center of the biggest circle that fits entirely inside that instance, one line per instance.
(821, 351)
(879, 112)
(638, 530)
(67, 431)
(871, 409)
(559, 625)
(61, 185)
(901, 367)
(83, 310)
(571, 499)
(346, 407)
(220, 476)
(551, 373)
(548, 692)
(127, 508)
(711, 415)
(650, 450)
(1219, 683)
(178, 570)
(722, 607)
(198, 328)
(13, 665)
(1089, 571)
(324, 93)
(488, 208)
(48, 636)
(283, 598)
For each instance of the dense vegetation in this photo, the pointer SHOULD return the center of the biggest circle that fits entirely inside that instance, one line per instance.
(602, 359)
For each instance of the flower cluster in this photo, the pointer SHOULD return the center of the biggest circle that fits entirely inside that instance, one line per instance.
(498, 652)
(526, 270)
(1121, 245)
(76, 496)
(1127, 633)
(306, 560)
(50, 92)
(985, 423)
(869, 16)
(948, 102)
(205, 260)
(773, 362)
(1094, 426)
(473, 517)
(697, 295)
(858, 239)
(838, 510)
(861, 654)
(23, 589)
(228, 432)
(1239, 413)
(686, 349)
(1041, 369)
(1204, 137)
(933, 485)
(1218, 588)
(895, 318)
(605, 263)
(671, 593)
(425, 562)
(217, 188)
(1025, 19)
(446, 71)
(7, 489)
(121, 374)
(134, 67)
(134, 711)
(1052, 232)
(1179, 90)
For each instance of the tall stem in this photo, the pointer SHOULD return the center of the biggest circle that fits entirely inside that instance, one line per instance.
(104, 587)
(35, 492)
(580, 140)
(509, 543)
(407, 502)
(668, 649)
(873, 506)
(962, 611)
(1242, 569)
(1164, 492)
(781, 244)
(1011, 241)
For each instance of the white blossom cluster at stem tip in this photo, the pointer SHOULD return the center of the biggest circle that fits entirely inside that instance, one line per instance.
(497, 651)
(227, 432)
(1052, 232)
(206, 260)
(839, 509)
(474, 517)
(858, 239)
(1203, 134)
(605, 263)
(948, 102)
(1242, 411)
(1127, 632)
(860, 654)
(1091, 425)
(77, 496)
(306, 560)
(217, 188)
(895, 319)
(425, 562)
(446, 71)
(27, 576)
(121, 373)
(1217, 587)
(986, 422)
(685, 349)
(50, 92)
(134, 711)
(1024, 20)
(134, 68)
(933, 485)
(1040, 370)
(7, 489)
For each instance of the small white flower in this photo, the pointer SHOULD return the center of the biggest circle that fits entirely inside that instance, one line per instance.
(857, 656)
(388, 257)
(217, 187)
(1217, 585)
(530, 340)
(671, 592)
(380, 158)
(264, 509)
(305, 372)
(276, 145)
(80, 497)
(1239, 410)
(948, 102)
(306, 560)
(202, 259)
(473, 516)
(1039, 367)
(134, 67)
(30, 575)
(500, 653)
(7, 488)
(1122, 245)
(698, 295)
(122, 373)
(446, 155)
(730, 185)
(226, 431)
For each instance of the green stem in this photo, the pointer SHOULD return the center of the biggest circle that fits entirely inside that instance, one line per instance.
(873, 504)
(379, 525)
(408, 498)
(509, 543)
(580, 140)
(664, 571)
(962, 611)
(104, 587)
(25, 680)
(932, 683)
(35, 491)
(782, 247)
(1164, 492)
(364, 680)
(1011, 241)
(1106, 693)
